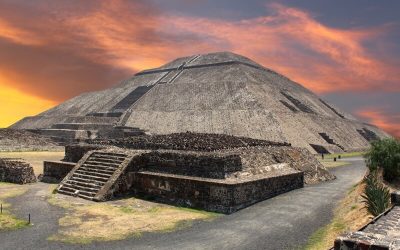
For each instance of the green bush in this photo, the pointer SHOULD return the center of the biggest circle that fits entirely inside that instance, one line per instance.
(376, 195)
(385, 154)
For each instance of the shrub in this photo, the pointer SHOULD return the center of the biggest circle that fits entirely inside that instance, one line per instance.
(376, 195)
(385, 154)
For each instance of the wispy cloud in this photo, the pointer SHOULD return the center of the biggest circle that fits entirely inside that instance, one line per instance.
(388, 122)
(55, 50)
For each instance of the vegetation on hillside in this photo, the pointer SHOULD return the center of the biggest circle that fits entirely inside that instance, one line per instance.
(385, 154)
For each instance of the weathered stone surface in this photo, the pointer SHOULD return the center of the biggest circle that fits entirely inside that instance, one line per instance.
(221, 93)
(383, 233)
(210, 194)
(188, 141)
(55, 171)
(222, 173)
(75, 152)
(16, 171)
(21, 140)
(254, 154)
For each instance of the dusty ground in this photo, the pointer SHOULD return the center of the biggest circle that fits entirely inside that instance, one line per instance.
(35, 158)
(282, 222)
(86, 221)
(349, 215)
(8, 221)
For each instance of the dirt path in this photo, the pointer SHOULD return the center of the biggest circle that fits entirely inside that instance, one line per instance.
(283, 222)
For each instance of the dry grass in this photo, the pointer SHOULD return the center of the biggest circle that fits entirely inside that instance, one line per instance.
(344, 155)
(350, 215)
(86, 221)
(7, 220)
(329, 163)
(35, 158)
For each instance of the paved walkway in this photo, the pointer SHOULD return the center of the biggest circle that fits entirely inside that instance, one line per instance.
(283, 222)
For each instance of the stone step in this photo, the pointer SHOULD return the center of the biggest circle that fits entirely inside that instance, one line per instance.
(72, 191)
(105, 114)
(65, 133)
(92, 119)
(85, 184)
(131, 98)
(108, 158)
(102, 163)
(76, 178)
(90, 177)
(82, 188)
(104, 171)
(92, 172)
(83, 126)
(108, 154)
(102, 167)
(73, 194)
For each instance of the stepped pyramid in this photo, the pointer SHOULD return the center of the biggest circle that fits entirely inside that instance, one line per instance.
(211, 93)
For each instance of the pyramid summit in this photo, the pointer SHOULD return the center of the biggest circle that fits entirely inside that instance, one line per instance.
(221, 93)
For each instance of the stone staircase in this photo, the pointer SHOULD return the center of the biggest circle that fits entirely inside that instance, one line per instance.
(330, 140)
(368, 134)
(94, 175)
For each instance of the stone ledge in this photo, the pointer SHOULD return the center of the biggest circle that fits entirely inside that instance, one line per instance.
(55, 171)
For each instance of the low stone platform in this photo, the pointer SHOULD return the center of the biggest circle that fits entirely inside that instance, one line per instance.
(223, 196)
(219, 173)
(16, 171)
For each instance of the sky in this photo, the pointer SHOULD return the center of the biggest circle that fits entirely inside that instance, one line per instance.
(348, 52)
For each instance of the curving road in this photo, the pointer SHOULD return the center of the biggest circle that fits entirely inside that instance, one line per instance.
(283, 222)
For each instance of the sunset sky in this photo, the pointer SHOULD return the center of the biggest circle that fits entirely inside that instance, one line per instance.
(346, 51)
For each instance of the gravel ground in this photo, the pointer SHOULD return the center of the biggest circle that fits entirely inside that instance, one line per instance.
(283, 222)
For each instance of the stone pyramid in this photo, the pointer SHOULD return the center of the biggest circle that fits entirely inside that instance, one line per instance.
(211, 93)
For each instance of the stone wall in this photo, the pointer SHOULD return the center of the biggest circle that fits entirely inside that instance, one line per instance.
(55, 171)
(16, 171)
(73, 153)
(192, 164)
(217, 196)
(382, 233)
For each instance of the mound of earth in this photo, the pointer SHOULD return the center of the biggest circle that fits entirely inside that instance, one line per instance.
(188, 141)
(22, 140)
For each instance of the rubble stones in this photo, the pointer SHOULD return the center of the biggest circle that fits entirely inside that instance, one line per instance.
(188, 141)
(16, 171)
(21, 140)
(384, 233)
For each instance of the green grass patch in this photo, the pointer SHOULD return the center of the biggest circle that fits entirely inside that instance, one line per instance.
(8, 221)
(317, 239)
(344, 155)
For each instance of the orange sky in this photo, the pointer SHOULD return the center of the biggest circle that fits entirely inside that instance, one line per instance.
(52, 52)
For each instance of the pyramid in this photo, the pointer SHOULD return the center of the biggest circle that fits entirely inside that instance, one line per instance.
(222, 93)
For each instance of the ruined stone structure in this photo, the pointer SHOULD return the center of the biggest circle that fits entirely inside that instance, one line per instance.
(213, 172)
(220, 93)
(382, 233)
(16, 171)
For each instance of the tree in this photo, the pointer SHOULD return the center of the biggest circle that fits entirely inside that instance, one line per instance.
(385, 154)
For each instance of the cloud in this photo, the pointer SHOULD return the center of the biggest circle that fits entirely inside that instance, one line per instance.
(55, 50)
(388, 122)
